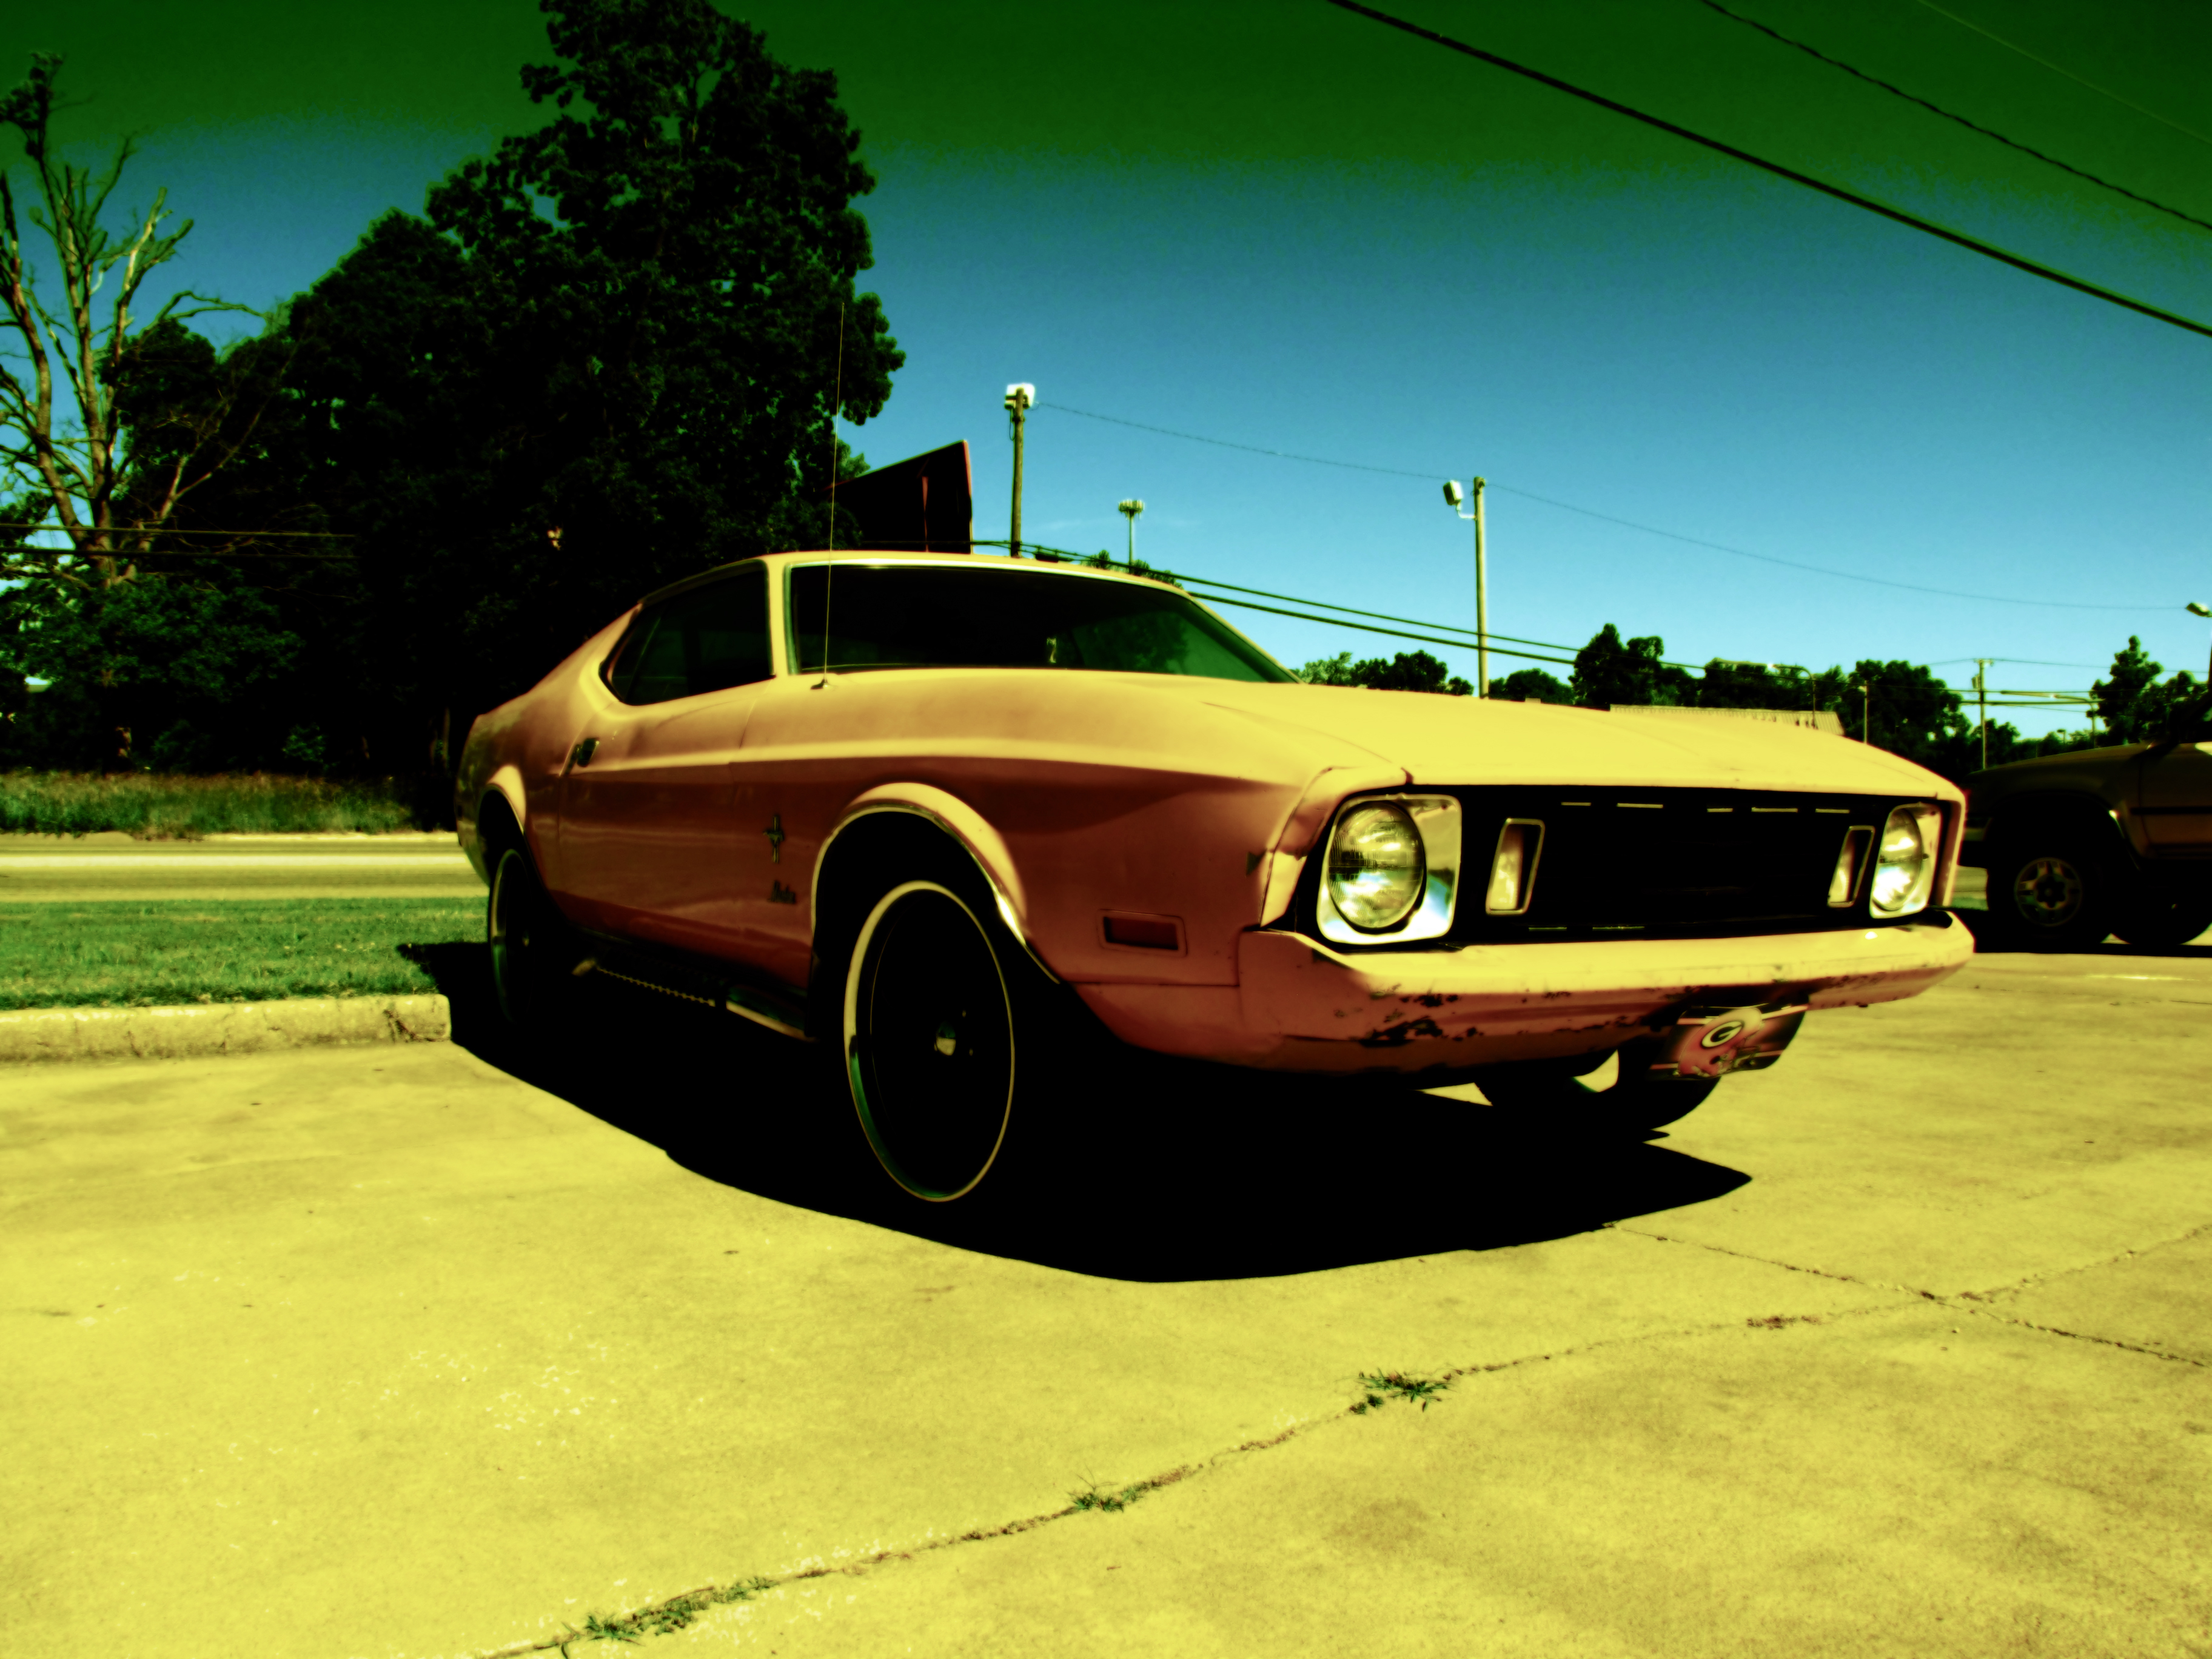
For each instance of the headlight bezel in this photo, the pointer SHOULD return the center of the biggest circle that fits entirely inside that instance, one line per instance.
(1437, 820)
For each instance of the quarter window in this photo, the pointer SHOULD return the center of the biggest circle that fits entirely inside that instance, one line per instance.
(705, 638)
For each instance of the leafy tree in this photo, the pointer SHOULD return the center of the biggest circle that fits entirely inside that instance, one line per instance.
(608, 358)
(2134, 707)
(1754, 685)
(1609, 670)
(1531, 684)
(1409, 670)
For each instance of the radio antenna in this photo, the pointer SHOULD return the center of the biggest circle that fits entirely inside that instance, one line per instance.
(830, 570)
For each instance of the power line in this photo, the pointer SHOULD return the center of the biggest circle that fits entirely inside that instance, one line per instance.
(180, 529)
(1972, 126)
(1990, 250)
(1608, 517)
(2055, 69)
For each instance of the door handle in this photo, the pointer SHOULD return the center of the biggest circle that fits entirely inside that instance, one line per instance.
(582, 753)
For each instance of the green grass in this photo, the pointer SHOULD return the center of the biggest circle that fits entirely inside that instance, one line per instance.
(157, 806)
(162, 953)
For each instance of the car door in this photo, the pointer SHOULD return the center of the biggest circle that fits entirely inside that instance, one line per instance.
(650, 842)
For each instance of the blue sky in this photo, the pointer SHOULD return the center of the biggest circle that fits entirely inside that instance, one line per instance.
(1283, 226)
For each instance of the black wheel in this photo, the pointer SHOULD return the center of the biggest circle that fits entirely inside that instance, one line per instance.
(2162, 918)
(2049, 892)
(931, 1029)
(1557, 1093)
(531, 953)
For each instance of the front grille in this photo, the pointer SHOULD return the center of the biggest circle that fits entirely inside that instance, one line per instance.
(1665, 862)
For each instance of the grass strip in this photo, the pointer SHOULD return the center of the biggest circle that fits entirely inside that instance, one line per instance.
(166, 952)
(160, 806)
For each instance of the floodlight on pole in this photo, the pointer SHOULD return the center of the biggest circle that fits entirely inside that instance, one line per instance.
(2196, 609)
(1452, 499)
(1132, 510)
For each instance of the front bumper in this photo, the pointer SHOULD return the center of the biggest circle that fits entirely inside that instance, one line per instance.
(1300, 1006)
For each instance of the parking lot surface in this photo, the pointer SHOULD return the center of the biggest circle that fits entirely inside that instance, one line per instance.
(1900, 1347)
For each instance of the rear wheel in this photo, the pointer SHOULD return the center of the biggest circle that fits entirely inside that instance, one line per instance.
(2161, 918)
(1571, 1092)
(2049, 892)
(528, 943)
(933, 1026)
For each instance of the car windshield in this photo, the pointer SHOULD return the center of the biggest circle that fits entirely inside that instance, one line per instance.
(917, 616)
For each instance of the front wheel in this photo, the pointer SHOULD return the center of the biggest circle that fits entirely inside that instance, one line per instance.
(1636, 1099)
(931, 1038)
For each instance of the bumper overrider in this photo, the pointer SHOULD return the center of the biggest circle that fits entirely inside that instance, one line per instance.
(1718, 1004)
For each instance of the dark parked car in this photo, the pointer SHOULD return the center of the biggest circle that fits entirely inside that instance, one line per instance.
(2103, 840)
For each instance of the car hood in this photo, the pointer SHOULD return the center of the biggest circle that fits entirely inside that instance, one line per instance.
(1444, 740)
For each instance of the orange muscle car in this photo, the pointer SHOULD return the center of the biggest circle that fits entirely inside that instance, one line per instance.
(927, 806)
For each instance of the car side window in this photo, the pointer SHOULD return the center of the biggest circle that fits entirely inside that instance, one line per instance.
(706, 639)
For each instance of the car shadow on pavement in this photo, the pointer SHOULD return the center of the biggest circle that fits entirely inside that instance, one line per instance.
(1148, 1170)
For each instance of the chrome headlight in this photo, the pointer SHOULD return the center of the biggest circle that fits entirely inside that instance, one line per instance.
(1904, 860)
(1390, 869)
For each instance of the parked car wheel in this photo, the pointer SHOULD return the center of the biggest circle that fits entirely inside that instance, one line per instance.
(2049, 892)
(1637, 1098)
(2161, 919)
(935, 996)
(527, 942)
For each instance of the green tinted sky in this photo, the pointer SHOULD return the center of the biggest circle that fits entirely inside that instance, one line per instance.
(1286, 226)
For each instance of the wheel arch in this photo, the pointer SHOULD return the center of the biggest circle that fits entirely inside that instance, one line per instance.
(501, 815)
(2065, 812)
(894, 829)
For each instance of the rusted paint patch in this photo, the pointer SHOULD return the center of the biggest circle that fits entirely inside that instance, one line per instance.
(1396, 1037)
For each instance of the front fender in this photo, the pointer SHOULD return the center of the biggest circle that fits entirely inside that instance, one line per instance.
(956, 818)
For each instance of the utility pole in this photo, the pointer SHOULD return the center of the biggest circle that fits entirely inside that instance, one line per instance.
(1018, 399)
(1982, 696)
(1866, 711)
(1452, 499)
(1481, 601)
(1130, 510)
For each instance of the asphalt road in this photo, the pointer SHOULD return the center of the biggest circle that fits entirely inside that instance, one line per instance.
(78, 869)
(1901, 1348)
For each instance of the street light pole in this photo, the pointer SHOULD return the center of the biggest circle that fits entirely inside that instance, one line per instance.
(1130, 510)
(1018, 399)
(2196, 609)
(1452, 497)
(1982, 696)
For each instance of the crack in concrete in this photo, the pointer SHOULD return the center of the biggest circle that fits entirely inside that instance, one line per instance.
(673, 1612)
(1973, 1302)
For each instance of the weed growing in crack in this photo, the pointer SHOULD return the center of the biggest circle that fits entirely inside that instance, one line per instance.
(667, 1618)
(1095, 1497)
(1384, 1386)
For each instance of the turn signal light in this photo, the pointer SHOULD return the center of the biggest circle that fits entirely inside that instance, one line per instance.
(1513, 868)
(1850, 864)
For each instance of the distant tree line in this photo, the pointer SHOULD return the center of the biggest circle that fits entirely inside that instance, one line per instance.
(603, 357)
(1899, 706)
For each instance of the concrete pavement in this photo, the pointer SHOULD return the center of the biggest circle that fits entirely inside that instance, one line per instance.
(1899, 1347)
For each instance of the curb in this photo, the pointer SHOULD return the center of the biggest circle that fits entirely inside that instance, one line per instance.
(233, 1028)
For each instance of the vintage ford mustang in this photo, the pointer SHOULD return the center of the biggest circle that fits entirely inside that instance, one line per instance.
(927, 807)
